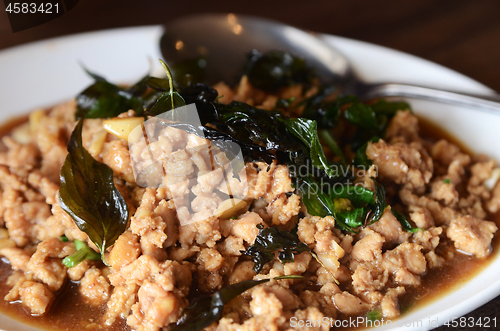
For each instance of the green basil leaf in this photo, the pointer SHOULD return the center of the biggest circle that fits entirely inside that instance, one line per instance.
(380, 205)
(357, 194)
(88, 194)
(316, 201)
(404, 222)
(374, 315)
(352, 218)
(307, 131)
(389, 108)
(361, 159)
(362, 115)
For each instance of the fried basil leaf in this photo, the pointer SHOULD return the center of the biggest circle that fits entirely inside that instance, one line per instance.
(275, 69)
(168, 100)
(158, 84)
(208, 309)
(88, 194)
(103, 99)
(189, 71)
(271, 240)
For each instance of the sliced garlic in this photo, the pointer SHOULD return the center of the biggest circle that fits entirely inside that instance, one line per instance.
(97, 143)
(330, 261)
(22, 134)
(4, 233)
(122, 127)
(230, 207)
(7, 243)
(331, 258)
(35, 119)
(492, 181)
(337, 250)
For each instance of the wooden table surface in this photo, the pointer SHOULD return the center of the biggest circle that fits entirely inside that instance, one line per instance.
(463, 35)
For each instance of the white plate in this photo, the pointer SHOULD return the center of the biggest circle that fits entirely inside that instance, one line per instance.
(44, 73)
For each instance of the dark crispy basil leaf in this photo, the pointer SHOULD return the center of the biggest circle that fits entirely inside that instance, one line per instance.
(138, 89)
(204, 97)
(88, 194)
(159, 84)
(275, 69)
(103, 99)
(167, 101)
(326, 113)
(404, 222)
(96, 77)
(206, 309)
(190, 71)
(270, 240)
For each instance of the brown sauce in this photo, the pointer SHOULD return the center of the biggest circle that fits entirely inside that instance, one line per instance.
(70, 311)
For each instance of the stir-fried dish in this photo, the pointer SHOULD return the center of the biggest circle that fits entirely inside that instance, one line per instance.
(279, 204)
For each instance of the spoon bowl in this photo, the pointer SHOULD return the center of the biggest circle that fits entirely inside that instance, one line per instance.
(223, 41)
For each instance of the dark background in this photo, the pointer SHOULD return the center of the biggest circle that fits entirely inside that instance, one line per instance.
(463, 35)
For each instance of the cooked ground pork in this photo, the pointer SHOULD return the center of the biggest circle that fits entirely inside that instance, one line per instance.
(155, 263)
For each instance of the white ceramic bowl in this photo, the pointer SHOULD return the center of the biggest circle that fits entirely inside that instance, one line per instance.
(44, 73)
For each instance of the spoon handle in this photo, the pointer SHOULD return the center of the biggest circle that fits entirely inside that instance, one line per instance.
(488, 102)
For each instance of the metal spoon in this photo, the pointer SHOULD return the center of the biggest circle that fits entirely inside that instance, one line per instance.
(224, 40)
